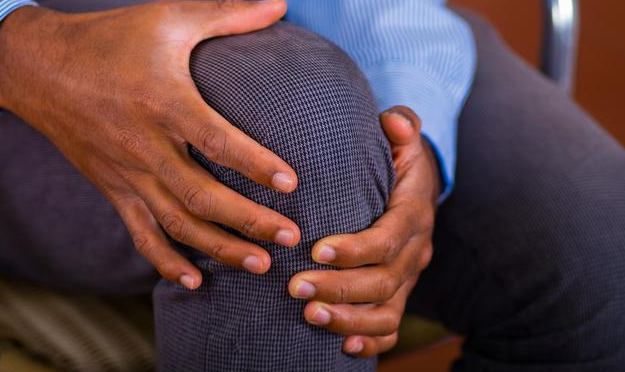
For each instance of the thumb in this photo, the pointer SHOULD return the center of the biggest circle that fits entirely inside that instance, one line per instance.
(228, 17)
(400, 125)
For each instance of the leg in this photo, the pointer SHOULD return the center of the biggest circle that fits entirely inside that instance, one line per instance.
(529, 258)
(315, 110)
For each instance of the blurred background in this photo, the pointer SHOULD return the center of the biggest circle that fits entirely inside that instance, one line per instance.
(600, 89)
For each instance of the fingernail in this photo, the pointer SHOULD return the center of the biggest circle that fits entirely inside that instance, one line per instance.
(356, 347)
(303, 289)
(283, 182)
(321, 316)
(253, 264)
(402, 119)
(187, 281)
(285, 237)
(326, 254)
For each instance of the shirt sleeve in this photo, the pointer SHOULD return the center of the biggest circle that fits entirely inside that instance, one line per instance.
(415, 53)
(7, 6)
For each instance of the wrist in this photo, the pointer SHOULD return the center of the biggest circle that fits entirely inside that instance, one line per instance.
(22, 35)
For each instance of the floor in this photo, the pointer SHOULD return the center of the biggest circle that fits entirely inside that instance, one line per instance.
(600, 89)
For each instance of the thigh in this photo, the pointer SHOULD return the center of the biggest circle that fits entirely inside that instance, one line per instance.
(55, 227)
(529, 258)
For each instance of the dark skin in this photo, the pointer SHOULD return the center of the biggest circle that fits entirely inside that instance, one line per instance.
(396, 248)
(129, 136)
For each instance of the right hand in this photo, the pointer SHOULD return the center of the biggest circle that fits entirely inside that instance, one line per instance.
(112, 90)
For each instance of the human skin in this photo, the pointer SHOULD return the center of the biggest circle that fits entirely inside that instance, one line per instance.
(396, 248)
(112, 91)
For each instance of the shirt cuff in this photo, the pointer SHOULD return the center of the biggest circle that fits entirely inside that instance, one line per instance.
(8, 6)
(402, 84)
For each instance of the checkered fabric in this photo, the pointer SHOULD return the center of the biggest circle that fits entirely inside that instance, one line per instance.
(302, 97)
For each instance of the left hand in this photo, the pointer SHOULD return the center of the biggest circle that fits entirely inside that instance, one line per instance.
(366, 303)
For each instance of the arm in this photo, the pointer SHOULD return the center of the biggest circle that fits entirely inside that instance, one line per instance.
(416, 53)
(120, 104)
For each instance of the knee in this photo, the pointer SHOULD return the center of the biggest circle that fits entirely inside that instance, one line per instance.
(304, 99)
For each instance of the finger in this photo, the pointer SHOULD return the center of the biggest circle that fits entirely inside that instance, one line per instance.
(203, 236)
(223, 143)
(366, 347)
(206, 198)
(377, 284)
(221, 18)
(379, 320)
(363, 318)
(409, 214)
(400, 124)
(379, 243)
(367, 284)
(152, 244)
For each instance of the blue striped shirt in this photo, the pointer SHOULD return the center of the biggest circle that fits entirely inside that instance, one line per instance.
(7, 6)
(415, 53)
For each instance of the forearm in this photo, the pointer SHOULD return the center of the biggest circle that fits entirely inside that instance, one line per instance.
(26, 56)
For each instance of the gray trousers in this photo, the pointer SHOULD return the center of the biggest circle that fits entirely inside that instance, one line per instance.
(529, 258)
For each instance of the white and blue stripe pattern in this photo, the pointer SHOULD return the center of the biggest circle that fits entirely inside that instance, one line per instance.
(7, 6)
(415, 53)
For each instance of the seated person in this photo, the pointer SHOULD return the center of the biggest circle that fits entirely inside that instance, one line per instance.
(528, 260)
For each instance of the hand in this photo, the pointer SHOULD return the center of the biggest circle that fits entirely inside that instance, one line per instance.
(112, 90)
(396, 249)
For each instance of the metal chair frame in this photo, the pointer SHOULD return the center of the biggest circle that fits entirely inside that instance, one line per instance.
(560, 42)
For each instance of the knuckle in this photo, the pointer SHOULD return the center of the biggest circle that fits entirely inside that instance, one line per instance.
(394, 321)
(387, 286)
(142, 244)
(244, 162)
(342, 294)
(129, 141)
(427, 221)
(425, 218)
(347, 321)
(168, 8)
(199, 202)
(226, 4)
(175, 226)
(392, 341)
(389, 248)
(359, 252)
(165, 268)
(213, 143)
(166, 170)
(250, 226)
(218, 252)
(426, 257)
(148, 102)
